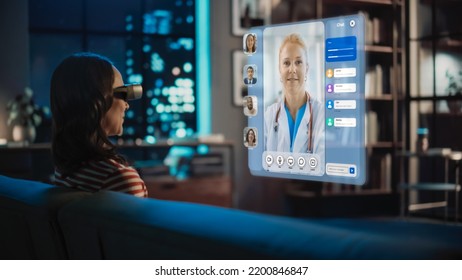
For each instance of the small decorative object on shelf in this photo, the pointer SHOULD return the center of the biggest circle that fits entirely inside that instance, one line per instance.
(454, 88)
(422, 140)
(24, 116)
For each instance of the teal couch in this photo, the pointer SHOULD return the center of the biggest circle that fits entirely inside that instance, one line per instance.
(109, 225)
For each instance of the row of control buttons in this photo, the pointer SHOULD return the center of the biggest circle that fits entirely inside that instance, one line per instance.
(301, 161)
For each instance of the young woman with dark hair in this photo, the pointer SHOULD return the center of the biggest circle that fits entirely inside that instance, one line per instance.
(87, 108)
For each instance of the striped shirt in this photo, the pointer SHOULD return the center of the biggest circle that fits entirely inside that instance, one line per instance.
(104, 175)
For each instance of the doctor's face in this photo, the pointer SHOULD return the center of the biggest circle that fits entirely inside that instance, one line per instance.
(293, 67)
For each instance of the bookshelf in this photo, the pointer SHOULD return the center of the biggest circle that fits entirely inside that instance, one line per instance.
(386, 64)
(385, 55)
(434, 52)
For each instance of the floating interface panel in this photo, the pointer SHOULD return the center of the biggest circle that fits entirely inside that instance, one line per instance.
(305, 103)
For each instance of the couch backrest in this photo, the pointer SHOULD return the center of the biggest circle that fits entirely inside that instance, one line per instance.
(36, 219)
(112, 225)
(28, 219)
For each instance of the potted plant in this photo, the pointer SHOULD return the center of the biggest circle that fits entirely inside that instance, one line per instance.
(24, 116)
(454, 88)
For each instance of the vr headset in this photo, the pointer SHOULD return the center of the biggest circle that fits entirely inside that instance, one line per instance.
(129, 92)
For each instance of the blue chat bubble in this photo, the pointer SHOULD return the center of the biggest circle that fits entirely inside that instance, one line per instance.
(341, 49)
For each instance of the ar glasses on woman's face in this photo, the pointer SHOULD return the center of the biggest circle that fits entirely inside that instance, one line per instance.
(129, 92)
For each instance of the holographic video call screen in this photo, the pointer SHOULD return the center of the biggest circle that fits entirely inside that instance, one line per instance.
(305, 102)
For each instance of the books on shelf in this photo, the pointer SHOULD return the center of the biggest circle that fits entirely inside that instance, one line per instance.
(380, 80)
(372, 128)
(395, 78)
(375, 29)
(374, 82)
(380, 172)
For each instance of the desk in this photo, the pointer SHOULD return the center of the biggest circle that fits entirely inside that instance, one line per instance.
(445, 186)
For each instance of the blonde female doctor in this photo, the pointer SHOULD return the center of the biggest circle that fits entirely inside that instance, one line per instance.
(296, 123)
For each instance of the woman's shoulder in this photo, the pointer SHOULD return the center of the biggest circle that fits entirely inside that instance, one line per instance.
(115, 168)
(107, 165)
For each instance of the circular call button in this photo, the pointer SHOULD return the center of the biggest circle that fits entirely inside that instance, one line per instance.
(269, 160)
(280, 160)
(313, 162)
(290, 161)
(301, 162)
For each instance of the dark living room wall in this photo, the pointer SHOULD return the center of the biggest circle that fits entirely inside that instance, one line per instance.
(14, 55)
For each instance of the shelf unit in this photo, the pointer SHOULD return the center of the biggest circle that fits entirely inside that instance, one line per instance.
(386, 56)
(434, 47)
(384, 107)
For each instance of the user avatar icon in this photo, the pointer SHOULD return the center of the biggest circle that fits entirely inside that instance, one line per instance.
(250, 105)
(250, 75)
(330, 122)
(329, 73)
(330, 88)
(330, 104)
(250, 137)
(250, 43)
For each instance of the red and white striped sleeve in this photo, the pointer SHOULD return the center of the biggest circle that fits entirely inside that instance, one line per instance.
(126, 180)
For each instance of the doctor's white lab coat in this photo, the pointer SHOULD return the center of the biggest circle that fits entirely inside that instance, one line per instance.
(279, 139)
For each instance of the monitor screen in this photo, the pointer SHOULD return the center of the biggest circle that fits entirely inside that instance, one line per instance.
(305, 103)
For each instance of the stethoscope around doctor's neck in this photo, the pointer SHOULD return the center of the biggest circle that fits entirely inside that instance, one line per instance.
(309, 125)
